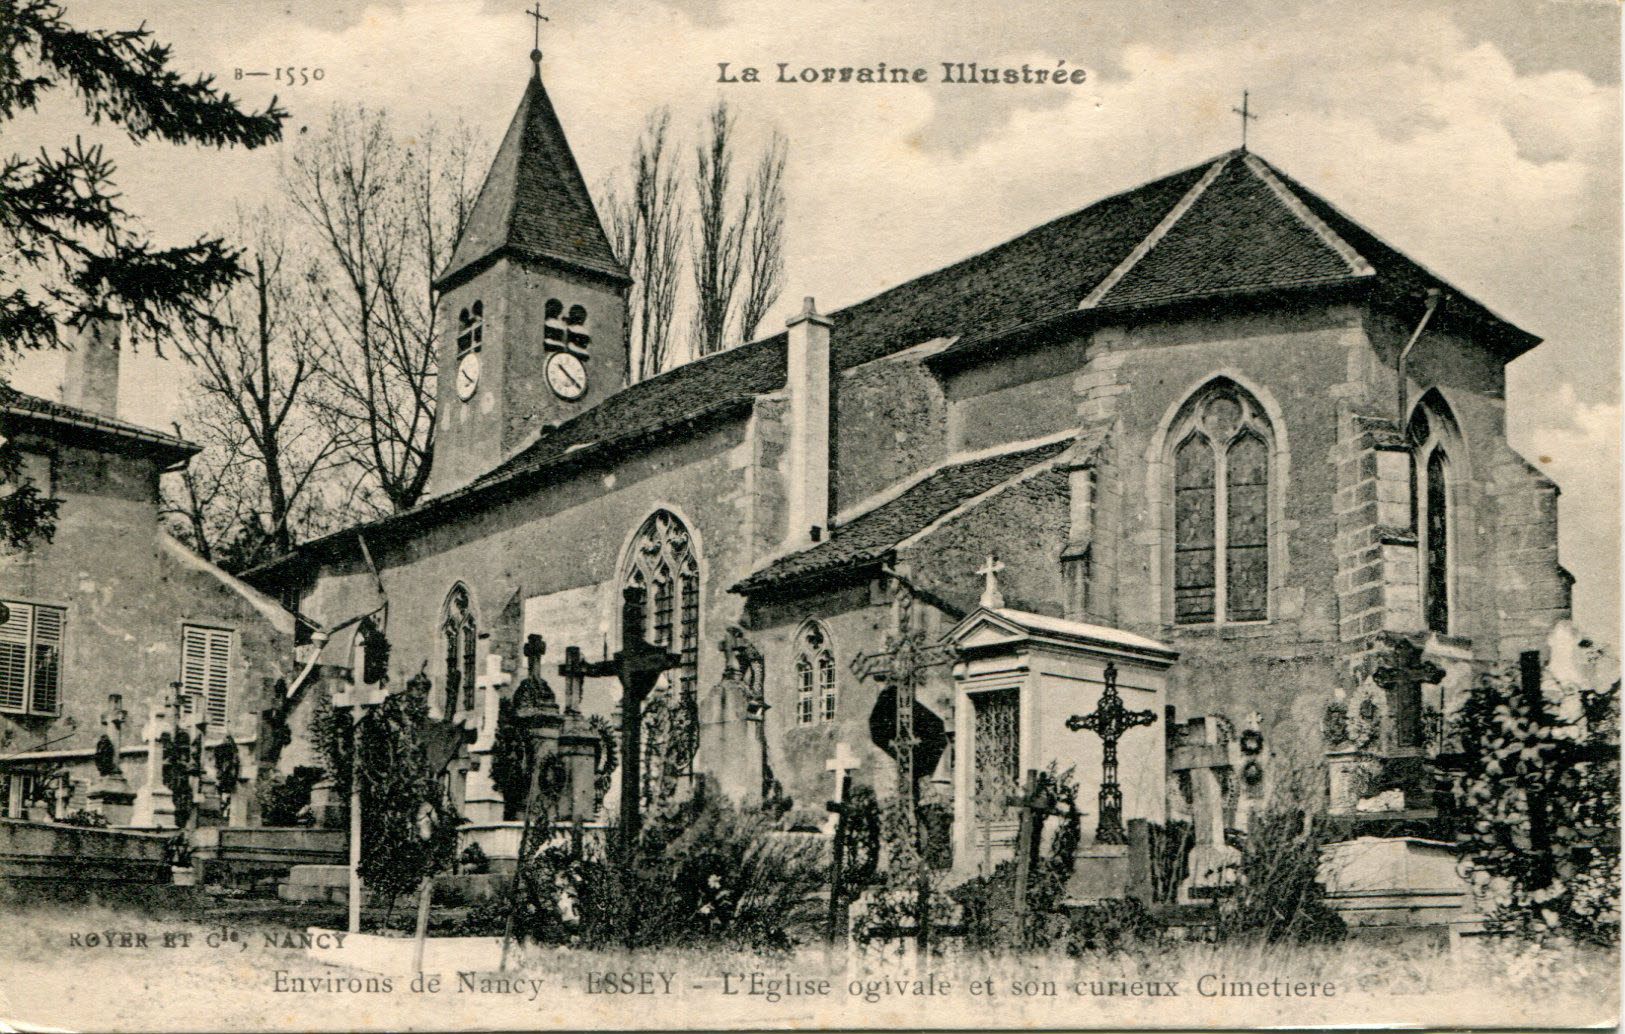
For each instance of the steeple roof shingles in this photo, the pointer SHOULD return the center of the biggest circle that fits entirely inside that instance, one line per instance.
(534, 202)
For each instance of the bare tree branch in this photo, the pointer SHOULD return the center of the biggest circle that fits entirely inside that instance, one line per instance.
(764, 251)
(645, 217)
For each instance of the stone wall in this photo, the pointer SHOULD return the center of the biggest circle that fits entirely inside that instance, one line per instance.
(128, 592)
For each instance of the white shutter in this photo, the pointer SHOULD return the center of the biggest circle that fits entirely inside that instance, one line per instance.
(194, 666)
(47, 680)
(15, 636)
(206, 673)
(219, 674)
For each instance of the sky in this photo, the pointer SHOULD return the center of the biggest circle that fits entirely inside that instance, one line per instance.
(1483, 139)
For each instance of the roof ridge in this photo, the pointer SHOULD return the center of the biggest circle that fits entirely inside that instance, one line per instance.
(1357, 263)
(1158, 232)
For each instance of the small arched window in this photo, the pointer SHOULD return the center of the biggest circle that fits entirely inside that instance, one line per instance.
(1431, 431)
(1221, 493)
(461, 637)
(565, 328)
(817, 698)
(470, 327)
(663, 564)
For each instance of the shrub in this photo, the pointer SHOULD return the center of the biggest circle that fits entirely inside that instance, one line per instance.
(282, 800)
(1279, 897)
(987, 903)
(85, 818)
(1540, 794)
(707, 873)
(473, 860)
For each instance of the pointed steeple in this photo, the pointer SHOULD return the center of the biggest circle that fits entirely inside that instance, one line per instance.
(534, 203)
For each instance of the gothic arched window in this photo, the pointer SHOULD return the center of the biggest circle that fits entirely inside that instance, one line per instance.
(1431, 427)
(1221, 519)
(662, 563)
(461, 636)
(816, 694)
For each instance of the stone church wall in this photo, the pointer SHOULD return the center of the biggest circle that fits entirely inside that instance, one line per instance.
(887, 421)
(857, 619)
(566, 540)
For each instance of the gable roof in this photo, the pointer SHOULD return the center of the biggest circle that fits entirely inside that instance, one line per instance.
(534, 202)
(1243, 227)
(872, 535)
(72, 423)
(1231, 226)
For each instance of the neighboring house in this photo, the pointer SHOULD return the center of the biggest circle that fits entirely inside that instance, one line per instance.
(1211, 411)
(103, 621)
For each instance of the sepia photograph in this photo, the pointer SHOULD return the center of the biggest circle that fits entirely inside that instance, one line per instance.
(709, 515)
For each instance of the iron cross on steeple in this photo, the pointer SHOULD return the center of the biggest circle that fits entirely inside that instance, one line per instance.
(536, 47)
(1246, 116)
(1110, 720)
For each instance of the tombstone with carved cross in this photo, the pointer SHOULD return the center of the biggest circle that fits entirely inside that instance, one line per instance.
(1031, 691)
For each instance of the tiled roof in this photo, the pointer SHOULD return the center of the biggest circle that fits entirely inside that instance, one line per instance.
(21, 405)
(1044, 270)
(1236, 235)
(872, 535)
(534, 202)
(1248, 227)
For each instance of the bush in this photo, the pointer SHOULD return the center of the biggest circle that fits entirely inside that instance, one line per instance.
(85, 818)
(282, 800)
(708, 873)
(1279, 897)
(473, 860)
(1540, 793)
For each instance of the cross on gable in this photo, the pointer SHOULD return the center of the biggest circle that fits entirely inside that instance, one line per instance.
(1246, 116)
(992, 598)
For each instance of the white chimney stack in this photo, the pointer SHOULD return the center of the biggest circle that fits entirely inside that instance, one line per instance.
(807, 378)
(90, 376)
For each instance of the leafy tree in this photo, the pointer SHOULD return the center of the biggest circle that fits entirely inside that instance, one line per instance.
(73, 252)
(408, 828)
(1538, 787)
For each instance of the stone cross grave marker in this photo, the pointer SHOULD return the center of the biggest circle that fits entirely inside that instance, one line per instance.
(1110, 720)
(842, 764)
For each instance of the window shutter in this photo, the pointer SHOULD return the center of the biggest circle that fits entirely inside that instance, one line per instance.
(47, 694)
(219, 674)
(206, 673)
(194, 666)
(14, 639)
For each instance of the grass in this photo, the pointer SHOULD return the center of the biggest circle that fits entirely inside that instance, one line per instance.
(48, 980)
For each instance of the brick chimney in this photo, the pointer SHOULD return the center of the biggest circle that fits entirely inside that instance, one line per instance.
(90, 378)
(807, 379)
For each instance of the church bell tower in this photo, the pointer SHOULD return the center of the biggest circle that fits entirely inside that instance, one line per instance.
(532, 317)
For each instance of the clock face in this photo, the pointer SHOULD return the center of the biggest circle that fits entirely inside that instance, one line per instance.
(468, 375)
(567, 376)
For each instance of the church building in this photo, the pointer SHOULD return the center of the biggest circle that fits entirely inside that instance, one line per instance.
(1208, 434)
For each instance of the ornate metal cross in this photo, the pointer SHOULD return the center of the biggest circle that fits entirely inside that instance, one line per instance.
(908, 654)
(1109, 720)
